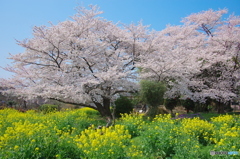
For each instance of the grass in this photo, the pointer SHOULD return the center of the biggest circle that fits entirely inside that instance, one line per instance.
(208, 116)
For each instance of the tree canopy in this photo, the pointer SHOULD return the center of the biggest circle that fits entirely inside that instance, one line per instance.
(199, 59)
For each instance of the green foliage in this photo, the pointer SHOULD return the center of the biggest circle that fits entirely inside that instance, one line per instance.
(171, 103)
(188, 104)
(11, 103)
(48, 108)
(136, 98)
(152, 92)
(123, 105)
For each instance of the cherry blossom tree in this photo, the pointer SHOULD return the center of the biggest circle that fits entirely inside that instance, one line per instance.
(84, 61)
(199, 59)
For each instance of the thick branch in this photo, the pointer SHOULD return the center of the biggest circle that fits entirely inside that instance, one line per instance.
(123, 91)
(77, 104)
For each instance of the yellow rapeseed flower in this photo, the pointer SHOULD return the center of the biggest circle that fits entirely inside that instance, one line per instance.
(16, 147)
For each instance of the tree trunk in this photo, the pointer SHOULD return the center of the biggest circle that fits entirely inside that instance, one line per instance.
(172, 114)
(24, 105)
(105, 111)
(220, 107)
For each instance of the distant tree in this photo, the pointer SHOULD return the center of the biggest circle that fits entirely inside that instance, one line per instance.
(199, 60)
(152, 94)
(188, 104)
(171, 103)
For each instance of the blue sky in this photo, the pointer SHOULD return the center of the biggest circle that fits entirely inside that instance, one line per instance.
(18, 17)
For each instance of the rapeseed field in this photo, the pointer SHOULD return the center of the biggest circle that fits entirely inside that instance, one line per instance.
(75, 134)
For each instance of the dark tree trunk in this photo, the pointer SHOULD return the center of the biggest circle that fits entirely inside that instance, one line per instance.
(24, 104)
(220, 107)
(105, 111)
(172, 114)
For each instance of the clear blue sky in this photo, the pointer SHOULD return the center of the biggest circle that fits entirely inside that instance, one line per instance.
(18, 17)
